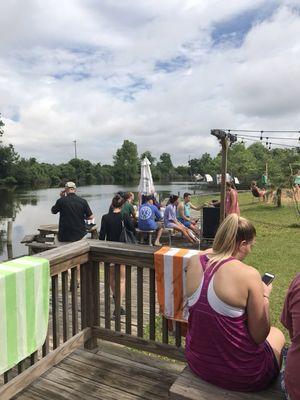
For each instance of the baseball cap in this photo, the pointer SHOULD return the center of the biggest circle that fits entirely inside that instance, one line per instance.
(70, 185)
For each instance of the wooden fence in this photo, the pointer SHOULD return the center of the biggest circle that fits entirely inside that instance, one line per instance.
(81, 307)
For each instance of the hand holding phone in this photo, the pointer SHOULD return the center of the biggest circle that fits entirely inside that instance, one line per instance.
(267, 278)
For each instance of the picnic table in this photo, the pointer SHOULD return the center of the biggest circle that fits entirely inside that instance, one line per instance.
(47, 238)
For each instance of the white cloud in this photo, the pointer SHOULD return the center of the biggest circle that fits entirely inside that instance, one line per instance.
(102, 72)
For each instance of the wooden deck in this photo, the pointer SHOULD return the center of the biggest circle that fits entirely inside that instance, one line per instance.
(109, 372)
(82, 316)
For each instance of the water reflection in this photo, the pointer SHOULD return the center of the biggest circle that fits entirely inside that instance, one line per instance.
(31, 208)
(11, 203)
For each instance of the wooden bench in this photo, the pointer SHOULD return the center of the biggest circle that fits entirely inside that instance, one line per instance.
(143, 233)
(188, 386)
(170, 233)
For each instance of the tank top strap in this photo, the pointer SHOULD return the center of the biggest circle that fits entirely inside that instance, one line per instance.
(213, 268)
(204, 260)
(210, 270)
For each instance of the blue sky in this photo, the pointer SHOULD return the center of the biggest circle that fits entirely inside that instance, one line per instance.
(162, 75)
(233, 30)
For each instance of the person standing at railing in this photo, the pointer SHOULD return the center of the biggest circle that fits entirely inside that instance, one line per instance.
(111, 228)
(73, 211)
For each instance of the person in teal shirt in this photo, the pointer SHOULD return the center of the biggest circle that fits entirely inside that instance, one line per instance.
(184, 213)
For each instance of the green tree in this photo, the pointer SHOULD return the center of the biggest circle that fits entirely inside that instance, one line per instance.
(8, 158)
(204, 165)
(149, 156)
(126, 163)
(1, 127)
(165, 166)
(67, 172)
(182, 172)
(83, 171)
(242, 163)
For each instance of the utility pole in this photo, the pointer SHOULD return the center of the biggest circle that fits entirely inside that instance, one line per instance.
(225, 139)
(225, 145)
(190, 169)
(75, 147)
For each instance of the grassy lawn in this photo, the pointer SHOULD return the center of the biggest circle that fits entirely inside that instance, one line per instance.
(277, 248)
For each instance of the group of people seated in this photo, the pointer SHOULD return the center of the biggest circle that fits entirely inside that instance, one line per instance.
(151, 216)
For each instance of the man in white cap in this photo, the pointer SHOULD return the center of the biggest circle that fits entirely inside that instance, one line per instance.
(73, 212)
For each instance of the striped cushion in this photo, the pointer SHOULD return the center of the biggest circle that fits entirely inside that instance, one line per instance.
(170, 274)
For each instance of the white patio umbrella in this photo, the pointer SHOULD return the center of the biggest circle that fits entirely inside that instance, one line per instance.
(146, 185)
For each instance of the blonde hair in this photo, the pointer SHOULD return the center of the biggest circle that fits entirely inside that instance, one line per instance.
(231, 233)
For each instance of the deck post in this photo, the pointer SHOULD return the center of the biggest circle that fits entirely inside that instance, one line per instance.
(224, 143)
(90, 298)
(9, 231)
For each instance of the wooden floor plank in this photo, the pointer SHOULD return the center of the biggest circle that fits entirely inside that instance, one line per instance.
(120, 364)
(133, 379)
(162, 363)
(93, 375)
(51, 390)
(88, 387)
(30, 394)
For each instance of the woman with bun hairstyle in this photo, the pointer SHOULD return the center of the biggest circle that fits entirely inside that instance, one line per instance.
(171, 221)
(230, 342)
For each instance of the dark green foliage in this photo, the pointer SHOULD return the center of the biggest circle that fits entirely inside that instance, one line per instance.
(126, 163)
(1, 126)
(8, 157)
(165, 167)
(247, 163)
(204, 165)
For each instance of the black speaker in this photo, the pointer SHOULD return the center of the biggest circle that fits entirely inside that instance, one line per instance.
(211, 220)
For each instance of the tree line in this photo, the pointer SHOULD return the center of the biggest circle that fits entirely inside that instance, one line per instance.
(246, 163)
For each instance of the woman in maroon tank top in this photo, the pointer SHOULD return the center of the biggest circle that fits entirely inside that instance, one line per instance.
(229, 341)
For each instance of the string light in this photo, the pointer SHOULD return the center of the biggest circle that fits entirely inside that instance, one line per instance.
(268, 143)
(261, 132)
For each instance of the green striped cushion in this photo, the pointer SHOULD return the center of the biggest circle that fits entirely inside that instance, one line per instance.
(24, 308)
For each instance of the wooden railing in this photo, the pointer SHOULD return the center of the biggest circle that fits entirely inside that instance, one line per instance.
(82, 309)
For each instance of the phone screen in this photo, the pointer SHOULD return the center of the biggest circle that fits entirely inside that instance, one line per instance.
(267, 278)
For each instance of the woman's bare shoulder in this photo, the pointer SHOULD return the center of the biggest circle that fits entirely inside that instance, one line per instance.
(246, 270)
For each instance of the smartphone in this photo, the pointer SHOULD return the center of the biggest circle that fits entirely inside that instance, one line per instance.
(267, 278)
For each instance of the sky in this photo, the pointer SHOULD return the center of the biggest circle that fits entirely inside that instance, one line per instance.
(159, 73)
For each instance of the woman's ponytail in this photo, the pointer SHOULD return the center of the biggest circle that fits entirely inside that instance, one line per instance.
(231, 232)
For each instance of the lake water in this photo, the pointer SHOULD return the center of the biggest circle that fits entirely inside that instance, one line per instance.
(32, 208)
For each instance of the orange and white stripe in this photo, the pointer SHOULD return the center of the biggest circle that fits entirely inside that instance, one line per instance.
(170, 264)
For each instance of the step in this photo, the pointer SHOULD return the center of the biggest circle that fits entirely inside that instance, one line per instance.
(188, 386)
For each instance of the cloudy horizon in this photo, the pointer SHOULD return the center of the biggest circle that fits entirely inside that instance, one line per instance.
(161, 75)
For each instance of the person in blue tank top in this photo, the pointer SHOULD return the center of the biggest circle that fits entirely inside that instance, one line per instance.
(184, 213)
(150, 218)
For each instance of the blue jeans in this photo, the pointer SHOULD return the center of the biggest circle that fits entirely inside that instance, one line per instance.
(282, 383)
